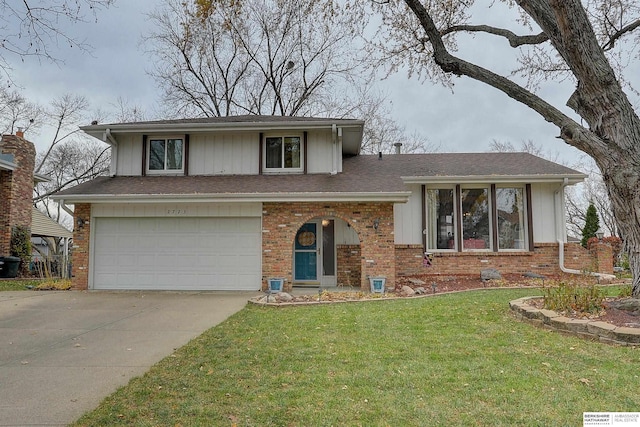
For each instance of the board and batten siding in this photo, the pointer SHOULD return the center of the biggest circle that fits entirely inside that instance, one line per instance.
(345, 235)
(231, 153)
(407, 218)
(129, 161)
(177, 209)
(224, 153)
(320, 152)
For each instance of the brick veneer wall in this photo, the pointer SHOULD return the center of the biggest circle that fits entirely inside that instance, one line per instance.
(348, 265)
(544, 260)
(80, 253)
(281, 221)
(16, 188)
(6, 181)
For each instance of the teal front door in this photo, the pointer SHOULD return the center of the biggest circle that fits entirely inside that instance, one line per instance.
(306, 251)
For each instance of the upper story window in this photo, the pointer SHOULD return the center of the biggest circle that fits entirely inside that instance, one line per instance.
(165, 155)
(283, 154)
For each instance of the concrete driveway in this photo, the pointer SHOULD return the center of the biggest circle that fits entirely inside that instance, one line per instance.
(61, 353)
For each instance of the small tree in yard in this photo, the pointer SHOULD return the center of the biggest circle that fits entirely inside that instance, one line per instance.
(591, 225)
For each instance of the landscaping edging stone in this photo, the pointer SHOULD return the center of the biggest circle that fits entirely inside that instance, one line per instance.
(583, 328)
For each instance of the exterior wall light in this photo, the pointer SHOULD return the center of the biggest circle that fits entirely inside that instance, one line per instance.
(376, 224)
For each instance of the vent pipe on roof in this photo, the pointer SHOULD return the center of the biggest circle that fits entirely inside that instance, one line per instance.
(398, 146)
(334, 151)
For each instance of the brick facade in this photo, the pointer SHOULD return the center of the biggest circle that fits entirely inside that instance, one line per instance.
(80, 255)
(348, 265)
(281, 221)
(376, 255)
(16, 188)
(543, 260)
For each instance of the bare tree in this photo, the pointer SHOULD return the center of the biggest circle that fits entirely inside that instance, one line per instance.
(528, 146)
(63, 115)
(272, 57)
(68, 163)
(33, 28)
(587, 43)
(127, 112)
(17, 112)
(381, 131)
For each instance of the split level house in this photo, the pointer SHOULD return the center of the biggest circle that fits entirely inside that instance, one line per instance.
(229, 203)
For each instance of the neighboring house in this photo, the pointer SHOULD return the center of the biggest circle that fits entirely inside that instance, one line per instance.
(227, 203)
(17, 162)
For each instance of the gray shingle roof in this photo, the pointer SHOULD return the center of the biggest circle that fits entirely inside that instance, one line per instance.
(361, 174)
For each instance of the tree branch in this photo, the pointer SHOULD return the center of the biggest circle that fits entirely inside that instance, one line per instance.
(571, 131)
(621, 32)
(514, 39)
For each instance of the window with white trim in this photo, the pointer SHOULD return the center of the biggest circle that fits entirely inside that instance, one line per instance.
(283, 154)
(165, 155)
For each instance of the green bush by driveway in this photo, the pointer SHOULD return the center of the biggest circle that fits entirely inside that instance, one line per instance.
(451, 360)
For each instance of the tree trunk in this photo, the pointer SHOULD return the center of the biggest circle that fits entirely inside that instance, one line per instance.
(623, 187)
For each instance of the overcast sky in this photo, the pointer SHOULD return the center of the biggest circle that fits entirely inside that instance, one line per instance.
(466, 120)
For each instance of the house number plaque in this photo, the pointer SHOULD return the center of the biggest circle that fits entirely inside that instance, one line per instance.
(176, 212)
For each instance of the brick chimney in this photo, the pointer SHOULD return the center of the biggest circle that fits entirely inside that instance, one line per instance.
(16, 186)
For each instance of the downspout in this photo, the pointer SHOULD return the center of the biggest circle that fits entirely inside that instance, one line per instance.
(561, 233)
(334, 135)
(109, 139)
(66, 208)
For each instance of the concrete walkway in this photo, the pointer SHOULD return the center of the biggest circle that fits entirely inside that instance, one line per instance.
(61, 353)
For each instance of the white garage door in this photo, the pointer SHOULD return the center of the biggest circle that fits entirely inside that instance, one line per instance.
(177, 253)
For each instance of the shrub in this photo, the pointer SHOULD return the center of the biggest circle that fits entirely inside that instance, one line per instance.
(591, 224)
(54, 285)
(626, 291)
(570, 297)
(20, 247)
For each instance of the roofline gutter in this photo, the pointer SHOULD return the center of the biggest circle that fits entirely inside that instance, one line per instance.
(572, 179)
(97, 131)
(395, 197)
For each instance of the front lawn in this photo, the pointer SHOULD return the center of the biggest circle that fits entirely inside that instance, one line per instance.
(18, 285)
(456, 359)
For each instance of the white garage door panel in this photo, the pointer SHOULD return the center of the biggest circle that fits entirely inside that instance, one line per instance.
(177, 253)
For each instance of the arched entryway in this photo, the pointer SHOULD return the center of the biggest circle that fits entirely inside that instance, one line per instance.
(326, 252)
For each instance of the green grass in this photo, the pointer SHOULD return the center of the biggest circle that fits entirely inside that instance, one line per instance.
(17, 285)
(450, 360)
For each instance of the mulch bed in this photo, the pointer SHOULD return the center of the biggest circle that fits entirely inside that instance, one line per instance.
(461, 283)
